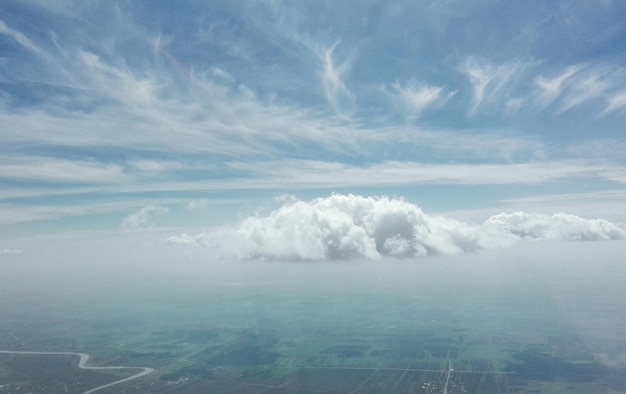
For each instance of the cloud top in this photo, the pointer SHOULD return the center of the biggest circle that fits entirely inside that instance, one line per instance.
(344, 227)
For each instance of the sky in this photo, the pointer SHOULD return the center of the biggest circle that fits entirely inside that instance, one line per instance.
(313, 129)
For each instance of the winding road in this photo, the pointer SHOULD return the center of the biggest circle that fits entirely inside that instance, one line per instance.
(81, 364)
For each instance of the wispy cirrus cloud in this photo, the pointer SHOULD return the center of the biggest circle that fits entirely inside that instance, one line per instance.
(616, 103)
(23, 40)
(504, 85)
(305, 175)
(123, 105)
(157, 167)
(417, 97)
(491, 81)
(582, 84)
(239, 123)
(599, 148)
(333, 79)
(36, 208)
(590, 87)
(552, 88)
(316, 174)
(51, 169)
(14, 213)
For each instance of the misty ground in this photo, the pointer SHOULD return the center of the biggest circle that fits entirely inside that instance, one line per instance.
(547, 317)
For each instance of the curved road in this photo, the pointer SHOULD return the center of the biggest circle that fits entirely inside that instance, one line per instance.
(81, 364)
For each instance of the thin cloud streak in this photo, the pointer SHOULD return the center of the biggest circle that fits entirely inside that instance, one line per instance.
(582, 84)
(311, 174)
(587, 89)
(21, 39)
(490, 81)
(316, 175)
(19, 212)
(43, 169)
(616, 103)
(333, 76)
(298, 175)
(552, 88)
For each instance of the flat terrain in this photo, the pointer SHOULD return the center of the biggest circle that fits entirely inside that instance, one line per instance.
(428, 327)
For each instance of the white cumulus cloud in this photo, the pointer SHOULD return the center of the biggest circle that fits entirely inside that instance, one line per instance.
(559, 226)
(343, 227)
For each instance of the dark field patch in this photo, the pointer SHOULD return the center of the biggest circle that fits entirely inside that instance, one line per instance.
(50, 374)
(417, 347)
(330, 380)
(345, 351)
(530, 365)
(252, 347)
(193, 336)
(533, 365)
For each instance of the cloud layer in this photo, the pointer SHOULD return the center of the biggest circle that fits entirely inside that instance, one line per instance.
(114, 106)
(344, 227)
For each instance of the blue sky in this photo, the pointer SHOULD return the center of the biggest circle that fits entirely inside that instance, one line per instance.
(118, 114)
